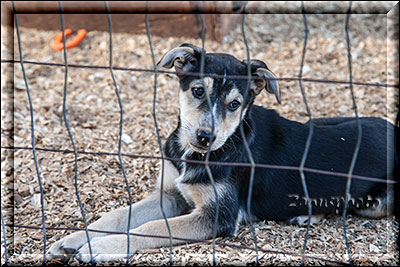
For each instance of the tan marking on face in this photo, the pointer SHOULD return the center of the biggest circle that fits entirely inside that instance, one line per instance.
(191, 116)
(234, 94)
(208, 82)
(228, 126)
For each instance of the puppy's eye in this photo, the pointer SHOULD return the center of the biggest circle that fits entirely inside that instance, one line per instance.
(234, 105)
(198, 91)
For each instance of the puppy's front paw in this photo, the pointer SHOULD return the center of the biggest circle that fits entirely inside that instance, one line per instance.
(107, 248)
(67, 247)
(57, 251)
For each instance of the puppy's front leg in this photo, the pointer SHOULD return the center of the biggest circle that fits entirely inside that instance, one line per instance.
(195, 225)
(199, 224)
(145, 210)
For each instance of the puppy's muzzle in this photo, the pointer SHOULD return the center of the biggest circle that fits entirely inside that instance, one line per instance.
(205, 137)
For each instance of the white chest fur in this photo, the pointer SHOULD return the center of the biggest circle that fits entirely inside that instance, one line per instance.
(196, 195)
(171, 173)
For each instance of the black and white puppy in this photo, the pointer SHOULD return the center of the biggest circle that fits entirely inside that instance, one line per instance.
(190, 201)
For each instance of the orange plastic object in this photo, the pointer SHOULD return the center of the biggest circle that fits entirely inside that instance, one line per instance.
(58, 45)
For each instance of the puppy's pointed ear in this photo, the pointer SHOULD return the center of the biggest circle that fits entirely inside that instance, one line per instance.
(183, 58)
(266, 79)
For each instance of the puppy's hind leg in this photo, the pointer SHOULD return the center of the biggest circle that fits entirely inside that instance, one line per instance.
(303, 219)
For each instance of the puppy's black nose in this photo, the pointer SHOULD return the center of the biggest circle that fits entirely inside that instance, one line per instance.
(205, 137)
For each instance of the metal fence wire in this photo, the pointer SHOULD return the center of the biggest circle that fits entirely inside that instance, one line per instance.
(301, 168)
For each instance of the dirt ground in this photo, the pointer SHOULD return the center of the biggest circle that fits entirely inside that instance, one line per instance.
(93, 115)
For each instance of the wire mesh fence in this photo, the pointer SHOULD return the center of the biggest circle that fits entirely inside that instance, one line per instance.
(66, 113)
